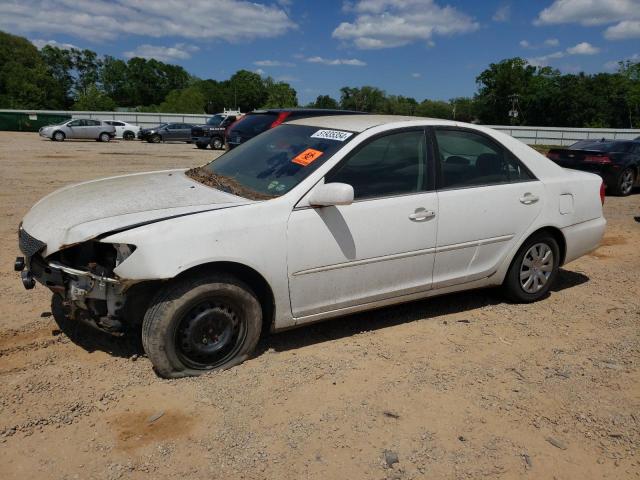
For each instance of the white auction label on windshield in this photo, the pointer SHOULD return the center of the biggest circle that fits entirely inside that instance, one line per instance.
(336, 135)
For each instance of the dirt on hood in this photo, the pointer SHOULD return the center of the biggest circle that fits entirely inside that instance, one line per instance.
(224, 183)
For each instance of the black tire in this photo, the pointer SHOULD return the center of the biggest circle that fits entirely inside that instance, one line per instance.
(58, 136)
(217, 143)
(155, 138)
(221, 309)
(201, 146)
(514, 288)
(624, 183)
(128, 135)
(104, 137)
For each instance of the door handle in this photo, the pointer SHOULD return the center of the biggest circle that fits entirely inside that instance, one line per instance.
(529, 198)
(422, 214)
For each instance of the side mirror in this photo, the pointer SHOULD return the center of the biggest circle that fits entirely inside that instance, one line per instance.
(331, 194)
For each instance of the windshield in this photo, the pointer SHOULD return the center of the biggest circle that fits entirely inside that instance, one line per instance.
(254, 124)
(215, 120)
(272, 163)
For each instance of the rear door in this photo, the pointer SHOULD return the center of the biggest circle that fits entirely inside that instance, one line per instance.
(487, 200)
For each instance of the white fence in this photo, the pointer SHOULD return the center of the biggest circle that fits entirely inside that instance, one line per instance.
(529, 135)
(565, 135)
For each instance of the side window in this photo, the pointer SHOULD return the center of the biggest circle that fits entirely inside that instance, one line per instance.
(469, 159)
(75, 123)
(92, 123)
(390, 165)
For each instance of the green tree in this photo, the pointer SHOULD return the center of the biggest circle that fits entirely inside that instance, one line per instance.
(60, 66)
(324, 101)
(25, 81)
(94, 99)
(280, 95)
(435, 109)
(187, 100)
(248, 90)
(364, 99)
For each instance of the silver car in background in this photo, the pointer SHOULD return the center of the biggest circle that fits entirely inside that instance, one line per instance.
(79, 128)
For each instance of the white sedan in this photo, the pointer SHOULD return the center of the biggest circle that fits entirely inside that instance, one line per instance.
(124, 130)
(314, 219)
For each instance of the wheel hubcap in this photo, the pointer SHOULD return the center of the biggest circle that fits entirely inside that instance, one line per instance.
(536, 268)
(209, 335)
(626, 182)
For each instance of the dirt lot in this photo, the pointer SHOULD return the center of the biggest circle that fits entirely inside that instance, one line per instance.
(463, 386)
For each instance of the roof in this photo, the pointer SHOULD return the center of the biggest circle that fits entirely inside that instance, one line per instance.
(360, 123)
(302, 109)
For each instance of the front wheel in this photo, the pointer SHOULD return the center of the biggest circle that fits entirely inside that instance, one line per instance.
(59, 136)
(624, 184)
(155, 139)
(533, 269)
(216, 143)
(200, 324)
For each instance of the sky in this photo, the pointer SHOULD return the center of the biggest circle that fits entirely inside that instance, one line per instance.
(418, 48)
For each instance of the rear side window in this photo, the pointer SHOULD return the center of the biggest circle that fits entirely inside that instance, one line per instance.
(389, 165)
(92, 123)
(469, 159)
(255, 124)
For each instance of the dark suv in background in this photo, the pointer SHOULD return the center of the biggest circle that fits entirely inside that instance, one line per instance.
(258, 121)
(212, 132)
(167, 132)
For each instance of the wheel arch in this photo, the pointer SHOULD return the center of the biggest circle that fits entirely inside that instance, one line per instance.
(558, 236)
(250, 276)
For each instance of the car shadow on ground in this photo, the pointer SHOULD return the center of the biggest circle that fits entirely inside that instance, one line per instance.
(91, 339)
(431, 308)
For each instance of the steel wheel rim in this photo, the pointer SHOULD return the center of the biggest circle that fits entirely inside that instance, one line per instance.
(626, 182)
(217, 143)
(209, 334)
(536, 268)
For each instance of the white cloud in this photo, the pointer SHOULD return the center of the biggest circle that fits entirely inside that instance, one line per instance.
(394, 23)
(273, 63)
(99, 20)
(583, 48)
(623, 30)
(549, 42)
(625, 14)
(180, 51)
(613, 65)
(260, 71)
(353, 62)
(416, 75)
(39, 43)
(502, 14)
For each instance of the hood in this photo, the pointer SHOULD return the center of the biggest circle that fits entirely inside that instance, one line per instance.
(84, 211)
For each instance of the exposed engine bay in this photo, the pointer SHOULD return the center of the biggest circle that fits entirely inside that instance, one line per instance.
(82, 276)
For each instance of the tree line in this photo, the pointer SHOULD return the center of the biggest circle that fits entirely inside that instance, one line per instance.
(511, 91)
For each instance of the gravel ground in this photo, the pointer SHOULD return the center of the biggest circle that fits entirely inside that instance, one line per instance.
(464, 386)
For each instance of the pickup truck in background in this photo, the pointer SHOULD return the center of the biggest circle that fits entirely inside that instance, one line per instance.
(212, 132)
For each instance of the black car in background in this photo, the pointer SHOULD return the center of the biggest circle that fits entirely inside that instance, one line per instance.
(167, 132)
(258, 121)
(616, 161)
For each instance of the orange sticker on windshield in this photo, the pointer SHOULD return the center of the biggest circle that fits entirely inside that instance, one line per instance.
(308, 156)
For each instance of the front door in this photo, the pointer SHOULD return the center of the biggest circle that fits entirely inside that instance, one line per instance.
(487, 201)
(380, 246)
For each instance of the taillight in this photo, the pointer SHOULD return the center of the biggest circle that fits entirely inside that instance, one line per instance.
(553, 155)
(282, 116)
(601, 159)
(602, 189)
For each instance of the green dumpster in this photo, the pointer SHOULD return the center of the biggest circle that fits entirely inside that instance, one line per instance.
(29, 121)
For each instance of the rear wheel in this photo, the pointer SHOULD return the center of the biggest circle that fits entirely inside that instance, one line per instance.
(624, 183)
(128, 135)
(533, 269)
(104, 137)
(201, 324)
(216, 143)
(59, 136)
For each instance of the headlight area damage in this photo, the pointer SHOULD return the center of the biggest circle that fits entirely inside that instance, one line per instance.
(82, 277)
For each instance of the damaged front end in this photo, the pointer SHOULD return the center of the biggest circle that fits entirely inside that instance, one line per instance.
(82, 276)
